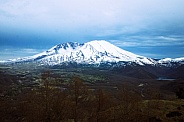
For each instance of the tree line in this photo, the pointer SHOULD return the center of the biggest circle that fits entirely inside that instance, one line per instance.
(76, 103)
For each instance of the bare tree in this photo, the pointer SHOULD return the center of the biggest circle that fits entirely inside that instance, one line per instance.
(78, 93)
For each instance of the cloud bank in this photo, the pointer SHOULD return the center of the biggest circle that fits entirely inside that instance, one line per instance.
(126, 23)
(71, 14)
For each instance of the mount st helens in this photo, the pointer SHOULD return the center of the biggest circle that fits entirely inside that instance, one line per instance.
(93, 52)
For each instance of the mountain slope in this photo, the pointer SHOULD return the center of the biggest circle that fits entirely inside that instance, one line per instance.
(93, 52)
(169, 62)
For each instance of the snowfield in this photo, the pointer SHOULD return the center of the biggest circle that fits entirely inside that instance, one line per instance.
(93, 52)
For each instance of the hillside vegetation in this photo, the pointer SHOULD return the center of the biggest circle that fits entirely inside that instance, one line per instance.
(86, 95)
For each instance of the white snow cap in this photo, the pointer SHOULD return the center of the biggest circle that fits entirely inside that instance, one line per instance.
(93, 52)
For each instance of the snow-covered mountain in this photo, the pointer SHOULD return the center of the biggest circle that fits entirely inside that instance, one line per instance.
(166, 60)
(93, 52)
(171, 62)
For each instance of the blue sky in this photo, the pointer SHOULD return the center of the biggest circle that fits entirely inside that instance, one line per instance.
(152, 28)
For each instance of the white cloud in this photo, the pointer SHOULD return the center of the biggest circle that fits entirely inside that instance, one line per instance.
(89, 13)
(152, 55)
(11, 53)
(149, 41)
(126, 23)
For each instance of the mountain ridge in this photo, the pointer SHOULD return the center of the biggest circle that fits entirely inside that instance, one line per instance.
(93, 52)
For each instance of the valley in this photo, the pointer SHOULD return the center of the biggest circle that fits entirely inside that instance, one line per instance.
(37, 88)
(91, 82)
